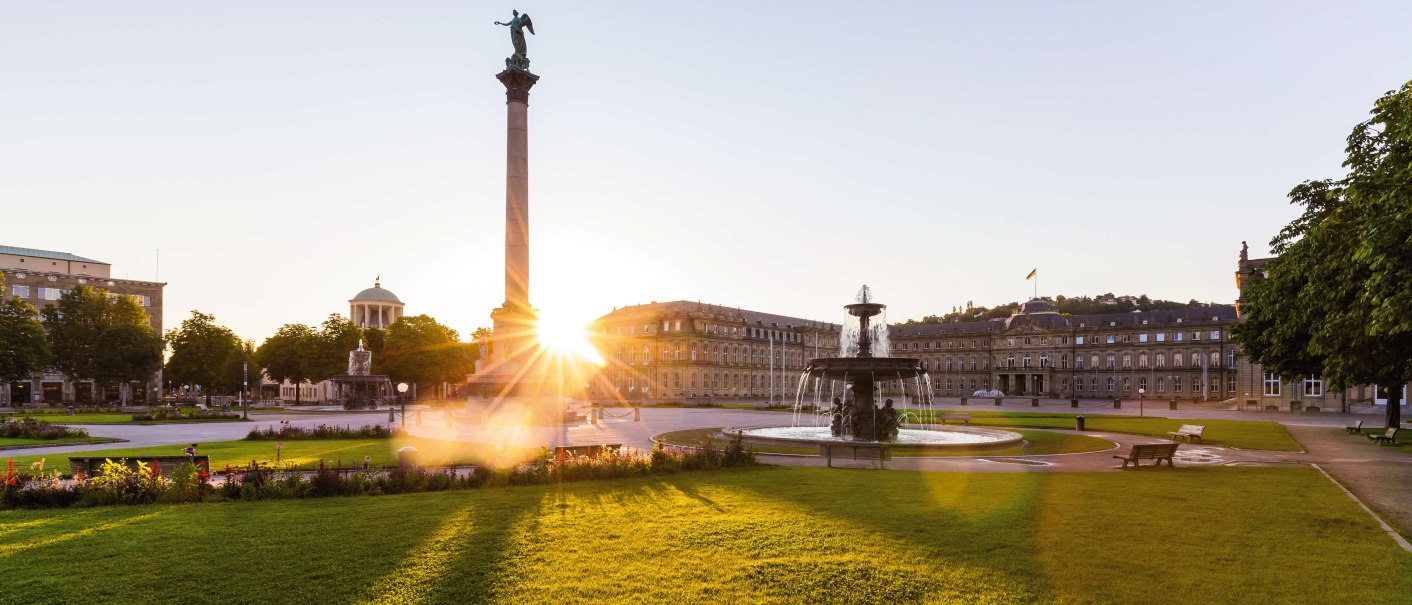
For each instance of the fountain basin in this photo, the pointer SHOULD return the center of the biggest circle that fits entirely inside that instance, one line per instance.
(850, 368)
(950, 438)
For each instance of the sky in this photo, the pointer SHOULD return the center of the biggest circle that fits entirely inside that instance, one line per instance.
(769, 156)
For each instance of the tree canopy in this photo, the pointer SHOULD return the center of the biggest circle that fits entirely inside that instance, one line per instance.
(286, 355)
(201, 353)
(421, 351)
(103, 337)
(23, 347)
(1336, 300)
(1077, 305)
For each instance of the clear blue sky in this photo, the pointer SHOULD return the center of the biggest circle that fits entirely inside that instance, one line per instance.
(771, 156)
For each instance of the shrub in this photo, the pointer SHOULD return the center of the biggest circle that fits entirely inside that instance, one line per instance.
(118, 483)
(33, 428)
(289, 432)
(170, 414)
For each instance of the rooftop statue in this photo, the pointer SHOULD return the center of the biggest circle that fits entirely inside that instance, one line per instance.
(518, 25)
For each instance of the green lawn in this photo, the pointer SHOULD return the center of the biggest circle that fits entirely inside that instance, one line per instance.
(108, 418)
(1404, 436)
(14, 441)
(1036, 443)
(1244, 434)
(763, 535)
(304, 453)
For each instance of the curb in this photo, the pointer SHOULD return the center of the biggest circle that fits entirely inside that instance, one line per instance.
(1396, 537)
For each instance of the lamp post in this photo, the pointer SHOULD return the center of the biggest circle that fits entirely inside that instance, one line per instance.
(1140, 393)
(402, 394)
(245, 390)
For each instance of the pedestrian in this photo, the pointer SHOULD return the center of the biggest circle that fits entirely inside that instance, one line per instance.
(191, 452)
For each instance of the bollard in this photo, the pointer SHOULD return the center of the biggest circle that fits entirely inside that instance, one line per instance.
(1117, 403)
(636, 413)
(593, 415)
(1034, 402)
(419, 418)
(1174, 404)
(391, 415)
(963, 401)
(407, 458)
(1073, 403)
(997, 401)
(600, 412)
(1078, 423)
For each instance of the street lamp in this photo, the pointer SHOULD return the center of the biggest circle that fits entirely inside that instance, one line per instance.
(402, 394)
(1140, 393)
(245, 390)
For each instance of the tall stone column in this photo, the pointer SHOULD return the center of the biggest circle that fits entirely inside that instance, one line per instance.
(515, 319)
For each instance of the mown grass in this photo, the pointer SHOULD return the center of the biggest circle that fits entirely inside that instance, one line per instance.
(1036, 443)
(307, 453)
(108, 418)
(1244, 434)
(1404, 436)
(764, 535)
(17, 441)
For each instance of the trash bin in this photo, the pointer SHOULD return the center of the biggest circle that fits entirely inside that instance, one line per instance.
(69, 410)
(407, 458)
(1078, 423)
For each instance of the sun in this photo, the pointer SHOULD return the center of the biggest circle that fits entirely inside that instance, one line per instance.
(565, 338)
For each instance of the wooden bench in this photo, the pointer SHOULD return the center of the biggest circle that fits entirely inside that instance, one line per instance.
(857, 452)
(1355, 428)
(90, 465)
(1188, 432)
(1387, 438)
(964, 418)
(1150, 451)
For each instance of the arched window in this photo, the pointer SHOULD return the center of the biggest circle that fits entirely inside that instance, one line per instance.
(1142, 360)
(1215, 359)
(1093, 362)
(1010, 361)
(1230, 358)
(1110, 363)
(646, 354)
(1195, 359)
(948, 364)
(1127, 360)
(1026, 360)
(1161, 360)
(1043, 360)
(1177, 360)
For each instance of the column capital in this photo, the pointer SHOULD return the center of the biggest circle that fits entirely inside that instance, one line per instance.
(517, 84)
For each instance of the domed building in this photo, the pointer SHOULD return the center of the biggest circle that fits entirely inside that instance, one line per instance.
(375, 307)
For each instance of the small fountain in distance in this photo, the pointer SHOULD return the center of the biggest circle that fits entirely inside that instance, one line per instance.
(837, 402)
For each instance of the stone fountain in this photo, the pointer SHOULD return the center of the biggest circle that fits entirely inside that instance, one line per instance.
(852, 384)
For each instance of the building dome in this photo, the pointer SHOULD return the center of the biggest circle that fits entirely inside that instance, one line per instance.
(378, 293)
(375, 307)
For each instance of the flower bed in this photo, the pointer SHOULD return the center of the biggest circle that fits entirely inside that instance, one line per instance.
(31, 428)
(288, 432)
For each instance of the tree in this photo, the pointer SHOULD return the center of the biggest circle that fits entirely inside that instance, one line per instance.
(421, 351)
(1335, 300)
(334, 340)
(236, 372)
(102, 337)
(23, 347)
(287, 356)
(201, 353)
(374, 340)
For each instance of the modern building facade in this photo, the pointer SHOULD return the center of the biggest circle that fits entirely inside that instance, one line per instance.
(41, 277)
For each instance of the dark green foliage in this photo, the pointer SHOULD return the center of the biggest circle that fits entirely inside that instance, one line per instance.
(1335, 302)
(23, 348)
(202, 352)
(1081, 305)
(107, 339)
(421, 351)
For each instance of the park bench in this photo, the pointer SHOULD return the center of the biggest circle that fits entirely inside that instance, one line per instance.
(1387, 438)
(857, 452)
(1150, 451)
(89, 465)
(1188, 432)
(964, 418)
(1355, 429)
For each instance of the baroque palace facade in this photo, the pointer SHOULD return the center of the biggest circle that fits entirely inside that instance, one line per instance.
(685, 350)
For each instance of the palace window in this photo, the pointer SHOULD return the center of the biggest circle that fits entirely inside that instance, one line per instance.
(1027, 360)
(1127, 360)
(1110, 362)
(948, 385)
(948, 364)
(1313, 386)
(1078, 340)
(20, 291)
(1142, 360)
(1230, 358)
(1010, 361)
(1161, 385)
(1127, 384)
(1142, 384)
(1110, 384)
(1094, 383)
(1176, 384)
(1195, 359)
(1215, 359)
(1231, 383)
(1110, 339)
(1177, 360)
(1079, 385)
(1161, 360)
(1064, 361)
(1215, 334)
(1176, 336)
(1093, 361)
(1078, 362)
(1161, 337)
(1043, 360)
(1142, 337)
